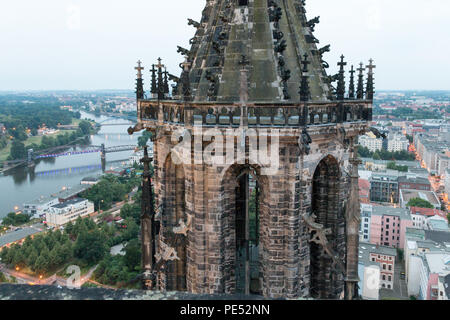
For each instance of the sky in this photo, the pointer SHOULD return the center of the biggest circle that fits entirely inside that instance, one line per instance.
(95, 44)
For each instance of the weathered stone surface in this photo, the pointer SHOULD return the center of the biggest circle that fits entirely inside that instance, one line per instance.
(304, 242)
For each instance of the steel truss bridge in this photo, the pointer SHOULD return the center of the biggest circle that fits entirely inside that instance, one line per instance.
(94, 149)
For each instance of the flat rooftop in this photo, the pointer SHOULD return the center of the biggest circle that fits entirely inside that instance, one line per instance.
(430, 196)
(68, 203)
(365, 249)
(391, 211)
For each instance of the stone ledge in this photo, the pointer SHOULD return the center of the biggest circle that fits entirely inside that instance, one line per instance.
(27, 292)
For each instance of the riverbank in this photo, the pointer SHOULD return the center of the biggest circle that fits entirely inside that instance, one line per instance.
(50, 175)
(37, 140)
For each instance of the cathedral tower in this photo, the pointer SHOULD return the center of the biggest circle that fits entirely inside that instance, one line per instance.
(254, 154)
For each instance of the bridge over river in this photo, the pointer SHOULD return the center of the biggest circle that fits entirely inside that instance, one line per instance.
(92, 149)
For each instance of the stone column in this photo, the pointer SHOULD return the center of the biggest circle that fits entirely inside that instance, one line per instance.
(353, 212)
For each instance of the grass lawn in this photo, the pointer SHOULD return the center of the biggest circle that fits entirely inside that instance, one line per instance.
(4, 153)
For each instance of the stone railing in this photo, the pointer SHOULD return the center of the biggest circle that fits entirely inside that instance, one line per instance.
(254, 115)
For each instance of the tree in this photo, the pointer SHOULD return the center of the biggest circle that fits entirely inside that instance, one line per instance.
(86, 127)
(142, 140)
(90, 246)
(41, 264)
(16, 219)
(394, 166)
(410, 138)
(420, 203)
(133, 255)
(3, 278)
(18, 150)
(31, 258)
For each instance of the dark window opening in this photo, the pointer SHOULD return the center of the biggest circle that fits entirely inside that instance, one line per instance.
(248, 277)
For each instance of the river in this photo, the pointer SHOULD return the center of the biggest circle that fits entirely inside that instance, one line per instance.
(49, 176)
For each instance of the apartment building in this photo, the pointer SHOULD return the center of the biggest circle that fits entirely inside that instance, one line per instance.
(388, 226)
(62, 213)
(379, 259)
(384, 186)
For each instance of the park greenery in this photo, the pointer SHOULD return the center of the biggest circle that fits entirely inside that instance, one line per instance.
(111, 189)
(420, 203)
(83, 243)
(85, 128)
(86, 243)
(394, 166)
(19, 112)
(364, 152)
(13, 219)
(410, 114)
(121, 270)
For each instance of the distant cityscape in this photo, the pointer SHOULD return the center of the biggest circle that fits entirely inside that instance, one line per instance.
(404, 193)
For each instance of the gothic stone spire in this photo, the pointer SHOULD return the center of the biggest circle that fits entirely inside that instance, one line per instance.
(147, 225)
(370, 83)
(351, 90)
(340, 90)
(139, 81)
(154, 88)
(360, 90)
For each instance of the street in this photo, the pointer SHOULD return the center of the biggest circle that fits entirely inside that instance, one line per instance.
(400, 290)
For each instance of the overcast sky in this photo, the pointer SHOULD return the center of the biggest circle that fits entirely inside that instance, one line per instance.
(94, 44)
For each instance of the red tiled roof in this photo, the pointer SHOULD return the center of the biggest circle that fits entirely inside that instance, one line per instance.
(428, 212)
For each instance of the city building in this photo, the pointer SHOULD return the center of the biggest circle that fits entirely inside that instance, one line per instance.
(397, 143)
(447, 182)
(91, 181)
(384, 186)
(39, 207)
(437, 223)
(68, 193)
(414, 183)
(364, 230)
(388, 226)
(364, 190)
(419, 280)
(420, 215)
(371, 142)
(406, 195)
(136, 157)
(374, 257)
(62, 213)
(419, 172)
(433, 153)
(428, 272)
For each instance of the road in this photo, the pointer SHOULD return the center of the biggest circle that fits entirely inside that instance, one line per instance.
(400, 290)
(20, 233)
(23, 278)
